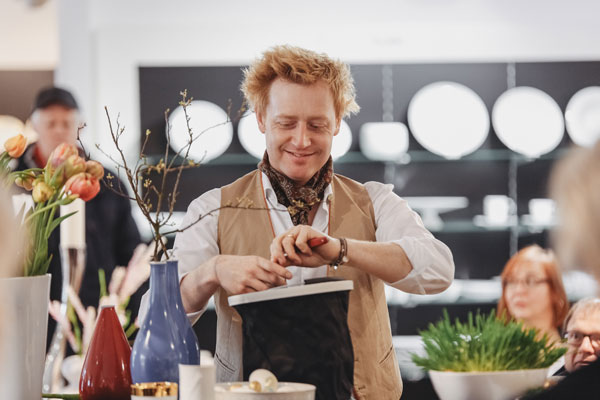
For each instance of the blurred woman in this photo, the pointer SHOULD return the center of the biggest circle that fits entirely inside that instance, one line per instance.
(533, 292)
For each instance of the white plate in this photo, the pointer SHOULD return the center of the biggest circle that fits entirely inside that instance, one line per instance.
(293, 391)
(383, 141)
(212, 130)
(528, 121)
(251, 138)
(583, 116)
(284, 292)
(448, 119)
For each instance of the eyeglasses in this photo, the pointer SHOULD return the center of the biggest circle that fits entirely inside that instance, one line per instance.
(529, 282)
(575, 338)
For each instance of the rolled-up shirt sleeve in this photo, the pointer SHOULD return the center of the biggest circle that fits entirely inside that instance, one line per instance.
(197, 243)
(432, 262)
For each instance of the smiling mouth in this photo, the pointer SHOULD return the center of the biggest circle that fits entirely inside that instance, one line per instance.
(298, 155)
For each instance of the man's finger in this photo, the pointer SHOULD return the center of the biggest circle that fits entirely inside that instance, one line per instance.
(277, 254)
(301, 242)
(257, 285)
(289, 248)
(275, 268)
(269, 278)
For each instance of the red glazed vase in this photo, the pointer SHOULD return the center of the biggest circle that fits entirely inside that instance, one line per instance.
(106, 374)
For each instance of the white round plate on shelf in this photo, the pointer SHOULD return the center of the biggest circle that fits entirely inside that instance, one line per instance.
(383, 141)
(251, 138)
(342, 141)
(448, 119)
(211, 127)
(528, 121)
(284, 292)
(583, 116)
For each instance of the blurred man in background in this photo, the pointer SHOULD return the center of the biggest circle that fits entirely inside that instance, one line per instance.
(111, 232)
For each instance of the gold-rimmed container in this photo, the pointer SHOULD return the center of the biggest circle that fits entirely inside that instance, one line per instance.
(146, 390)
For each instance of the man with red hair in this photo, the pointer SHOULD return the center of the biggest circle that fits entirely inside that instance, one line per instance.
(374, 238)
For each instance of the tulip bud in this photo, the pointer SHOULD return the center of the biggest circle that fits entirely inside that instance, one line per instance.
(15, 146)
(42, 192)
(74, 165)
(94, 168)
(84, 185)
(60, 155)
(25, 180)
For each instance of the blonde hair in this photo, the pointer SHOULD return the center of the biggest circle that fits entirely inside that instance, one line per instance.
(305, 67)
(575, 185)
(536, 255)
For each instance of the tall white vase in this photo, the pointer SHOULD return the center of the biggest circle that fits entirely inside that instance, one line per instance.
(23, 325)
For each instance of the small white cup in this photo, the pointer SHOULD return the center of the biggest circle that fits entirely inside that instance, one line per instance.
(496, 209)
(198, 381)
(542, 211)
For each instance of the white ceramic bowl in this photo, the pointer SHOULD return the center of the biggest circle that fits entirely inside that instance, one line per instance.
(295, 391)
(500, 385)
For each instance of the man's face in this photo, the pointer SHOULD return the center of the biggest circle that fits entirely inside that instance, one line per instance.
(588, 350)
(299, 124)
(55, 124)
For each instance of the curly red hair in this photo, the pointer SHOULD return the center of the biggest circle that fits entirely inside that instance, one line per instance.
(305, 67)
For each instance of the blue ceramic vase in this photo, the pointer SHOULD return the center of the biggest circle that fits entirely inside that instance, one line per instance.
(184, 327)
(166, 338)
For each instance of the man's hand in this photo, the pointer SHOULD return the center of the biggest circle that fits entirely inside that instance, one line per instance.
(236, 274)
(245, 274)
(292, 248)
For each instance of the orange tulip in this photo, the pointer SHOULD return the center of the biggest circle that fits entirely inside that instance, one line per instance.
(94, 168)
(84, 185)
(15, 146)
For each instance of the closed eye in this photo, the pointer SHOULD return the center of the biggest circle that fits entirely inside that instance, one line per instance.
(286, 124)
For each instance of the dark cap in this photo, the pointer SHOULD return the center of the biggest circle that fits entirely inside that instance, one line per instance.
(54, 95)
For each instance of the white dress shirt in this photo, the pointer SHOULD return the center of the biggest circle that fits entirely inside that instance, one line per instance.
(433, 266)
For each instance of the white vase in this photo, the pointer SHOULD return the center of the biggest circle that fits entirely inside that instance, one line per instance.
(497, 385)
(71, 371)
(23, 326)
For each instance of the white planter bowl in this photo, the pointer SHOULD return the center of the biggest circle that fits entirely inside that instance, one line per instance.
(298, 391)
(499, 385)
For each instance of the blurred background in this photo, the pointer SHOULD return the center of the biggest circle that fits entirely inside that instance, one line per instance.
(465, 105)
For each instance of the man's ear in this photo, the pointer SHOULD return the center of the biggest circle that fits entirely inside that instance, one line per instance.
(338, 123)
(260, 118)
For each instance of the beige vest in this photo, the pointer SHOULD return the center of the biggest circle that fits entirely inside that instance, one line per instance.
(247, 231)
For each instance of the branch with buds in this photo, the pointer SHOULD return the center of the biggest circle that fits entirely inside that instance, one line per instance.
(148, 181)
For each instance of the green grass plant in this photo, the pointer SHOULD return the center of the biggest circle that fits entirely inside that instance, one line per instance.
(484, 343)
